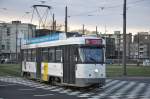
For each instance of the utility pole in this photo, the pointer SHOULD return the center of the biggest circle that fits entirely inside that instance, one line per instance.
(28, 31)
(96, 31)
(124, 38)
(66, 19)
(16, 42)
(53, 23)
(20, 55)
(119, 38)
(138, 50)
(83, 30)
(105, 30)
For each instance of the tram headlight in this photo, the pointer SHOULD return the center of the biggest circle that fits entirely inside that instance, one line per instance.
(96, 71)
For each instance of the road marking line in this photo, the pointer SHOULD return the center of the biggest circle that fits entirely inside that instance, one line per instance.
(3, 85)
(124, 89)
(33, 85)
(108, 80)
(36, 85)
(8, 85)
(59, 89)
(109, 90)
(84, 95)
(94, 98)
(66, 91)
(114, 87)
(110, 84)
(49, 88)
(147, 92)
(74, 93)
(98, 96)
(40, 87)
(114, 97)
(27, 89)
(136, 90)
(43, 95)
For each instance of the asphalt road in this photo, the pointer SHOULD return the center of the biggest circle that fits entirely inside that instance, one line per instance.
(18, 91)
(129, 88)
(136, 79)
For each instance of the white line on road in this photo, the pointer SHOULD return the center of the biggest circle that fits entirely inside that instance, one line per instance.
(111, 83)
(66, 91)
(43, 95)
(147, 92)
(114, 87)
(84, 95)
(8, 85)
(124, 89)
(109, 90)
(59, 89)
(3, 85)
(108, 80)
(27, 89)
(74, 93)
(136, 90)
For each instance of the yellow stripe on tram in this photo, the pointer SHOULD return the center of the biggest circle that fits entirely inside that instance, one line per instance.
(45, 74)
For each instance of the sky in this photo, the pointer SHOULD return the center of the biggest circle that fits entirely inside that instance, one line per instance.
(105, 14)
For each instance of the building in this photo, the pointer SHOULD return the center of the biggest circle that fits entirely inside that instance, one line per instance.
(144, 51)
(119, 43)
(141, 43)
(12, 36)
(142, 37)
(139, 51)
(110, 48)
(134, 51)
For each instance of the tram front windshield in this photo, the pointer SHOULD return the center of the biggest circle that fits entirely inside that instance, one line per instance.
(91, 55)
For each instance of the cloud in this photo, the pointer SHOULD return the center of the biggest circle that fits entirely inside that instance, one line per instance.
(87, 12)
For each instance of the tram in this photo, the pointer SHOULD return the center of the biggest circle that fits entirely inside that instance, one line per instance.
(71, 61)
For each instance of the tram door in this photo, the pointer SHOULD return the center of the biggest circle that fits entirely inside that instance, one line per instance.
(69, 64)
(38, 61)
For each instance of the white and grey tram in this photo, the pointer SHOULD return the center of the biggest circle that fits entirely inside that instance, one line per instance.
(73, 61)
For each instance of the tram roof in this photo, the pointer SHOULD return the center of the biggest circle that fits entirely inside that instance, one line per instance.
(56, 39)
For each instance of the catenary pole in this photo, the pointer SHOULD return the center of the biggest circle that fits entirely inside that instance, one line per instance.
(124, 38)
(53, 22)
(83, 30)
(96, 31)
(66, 19)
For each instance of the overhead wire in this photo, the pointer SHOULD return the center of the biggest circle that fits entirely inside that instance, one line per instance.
(104, 8)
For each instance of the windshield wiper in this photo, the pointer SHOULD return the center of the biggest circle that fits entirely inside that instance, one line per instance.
(92, 59)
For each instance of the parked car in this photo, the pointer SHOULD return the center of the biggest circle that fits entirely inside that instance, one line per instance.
(2, 61)
(5, 61)
(109, 61)
(146, 62)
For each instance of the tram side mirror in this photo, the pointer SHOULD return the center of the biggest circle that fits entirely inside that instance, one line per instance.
(75, 54)
(76, 59)
(61, 59)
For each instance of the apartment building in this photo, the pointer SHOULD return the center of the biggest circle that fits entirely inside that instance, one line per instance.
(12, 36)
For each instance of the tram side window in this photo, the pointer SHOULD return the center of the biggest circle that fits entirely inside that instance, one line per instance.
(29, 55)
(33, 55)
(45, 54)
(51, 55)
(58, 55)
(25, 55)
